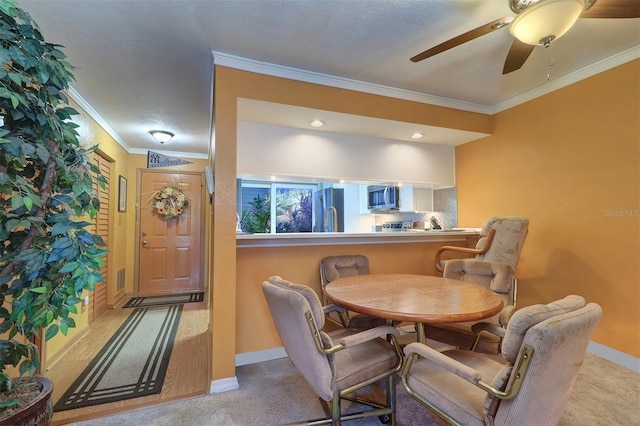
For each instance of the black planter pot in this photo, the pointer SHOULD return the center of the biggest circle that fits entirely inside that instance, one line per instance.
(39, 412)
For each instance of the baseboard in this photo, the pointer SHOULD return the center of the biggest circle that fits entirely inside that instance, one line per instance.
(260, 356)
(70, 343)
(224, 385)
(118, 299)
(614, 356)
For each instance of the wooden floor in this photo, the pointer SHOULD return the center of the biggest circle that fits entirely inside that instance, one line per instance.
(187, 373)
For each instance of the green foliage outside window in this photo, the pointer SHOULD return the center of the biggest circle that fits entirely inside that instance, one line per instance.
(257, 220)
(293, 210)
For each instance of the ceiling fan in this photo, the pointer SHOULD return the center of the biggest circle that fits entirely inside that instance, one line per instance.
(539, 22)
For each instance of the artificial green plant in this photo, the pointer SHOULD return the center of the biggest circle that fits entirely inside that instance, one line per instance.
(47, 256)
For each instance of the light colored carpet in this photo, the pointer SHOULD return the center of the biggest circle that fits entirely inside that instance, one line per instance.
(273, 392)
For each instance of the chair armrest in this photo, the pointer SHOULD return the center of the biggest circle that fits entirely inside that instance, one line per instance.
(479, 327)
(468, 250)
(370, 334)
(343, 315)
(505, 315)
(464, 371)
(327, 309)
(449, 364)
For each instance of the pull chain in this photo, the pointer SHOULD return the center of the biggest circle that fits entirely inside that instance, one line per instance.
(546, 42)
(549, 63)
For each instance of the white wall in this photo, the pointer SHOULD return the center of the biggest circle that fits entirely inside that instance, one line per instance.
(266, 150)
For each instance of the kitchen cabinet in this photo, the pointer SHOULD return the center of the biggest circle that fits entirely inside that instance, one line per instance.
(411, 199)
(363, 202)
(415, 199)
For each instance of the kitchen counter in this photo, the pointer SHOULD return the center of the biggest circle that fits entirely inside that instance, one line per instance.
(342, 238)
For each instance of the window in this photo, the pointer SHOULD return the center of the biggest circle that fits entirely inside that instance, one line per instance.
(291, 204)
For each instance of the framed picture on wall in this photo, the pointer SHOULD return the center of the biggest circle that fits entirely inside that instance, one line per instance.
(122, 194)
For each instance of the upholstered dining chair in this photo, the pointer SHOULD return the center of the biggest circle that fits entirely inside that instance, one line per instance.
(334, 267)
(338, 363)
(501, 241)
(543, 349)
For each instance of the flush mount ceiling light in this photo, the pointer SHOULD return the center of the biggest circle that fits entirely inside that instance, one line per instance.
(316, 123)
(417, 135)
(161, 135)
(545, 21)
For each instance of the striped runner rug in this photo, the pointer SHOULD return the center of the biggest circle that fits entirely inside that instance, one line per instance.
(170, 299)
(132, 364)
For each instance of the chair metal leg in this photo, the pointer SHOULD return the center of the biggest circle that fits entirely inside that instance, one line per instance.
(336, 413)
(391, 398)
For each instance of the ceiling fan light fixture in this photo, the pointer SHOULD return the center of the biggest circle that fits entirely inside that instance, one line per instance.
(161, 136)
(546, 20)
(502, 23)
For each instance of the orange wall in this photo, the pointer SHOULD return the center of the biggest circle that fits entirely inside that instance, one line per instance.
(231, 84)
(568, 161)
(255, 329)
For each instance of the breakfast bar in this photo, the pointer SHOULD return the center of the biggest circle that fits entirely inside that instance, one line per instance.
(296, 258)
(458, 235)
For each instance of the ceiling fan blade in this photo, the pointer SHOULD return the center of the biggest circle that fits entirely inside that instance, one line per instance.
(613, 9)
(463, 38)
(517, 56)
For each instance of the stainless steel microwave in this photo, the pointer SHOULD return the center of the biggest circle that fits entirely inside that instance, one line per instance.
(381, 197)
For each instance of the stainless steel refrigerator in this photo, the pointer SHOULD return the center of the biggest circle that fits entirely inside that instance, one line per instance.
(328, 205)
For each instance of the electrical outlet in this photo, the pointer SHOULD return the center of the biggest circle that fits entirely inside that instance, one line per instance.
(86, 300)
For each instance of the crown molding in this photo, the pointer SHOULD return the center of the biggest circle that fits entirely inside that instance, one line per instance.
(274, 70)
(77, 97)
(251, 65)
(569, 79)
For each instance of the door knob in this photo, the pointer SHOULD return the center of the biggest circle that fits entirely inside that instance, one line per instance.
(144, 242)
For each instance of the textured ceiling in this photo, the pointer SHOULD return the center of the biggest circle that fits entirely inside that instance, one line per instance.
(147, 64)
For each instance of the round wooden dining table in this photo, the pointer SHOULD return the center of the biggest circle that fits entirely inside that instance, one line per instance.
(414, 298)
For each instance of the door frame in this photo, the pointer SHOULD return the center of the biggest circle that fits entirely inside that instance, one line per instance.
(136, 266)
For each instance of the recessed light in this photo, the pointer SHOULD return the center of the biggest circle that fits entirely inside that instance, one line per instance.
(316, 123)
(417, 135)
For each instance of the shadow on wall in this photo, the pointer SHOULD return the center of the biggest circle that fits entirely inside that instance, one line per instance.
(567, 274)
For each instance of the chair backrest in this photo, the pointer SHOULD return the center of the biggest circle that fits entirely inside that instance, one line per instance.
(334, 267)
(508, 240)
(559, 334)
(288, 303)
(498, 277)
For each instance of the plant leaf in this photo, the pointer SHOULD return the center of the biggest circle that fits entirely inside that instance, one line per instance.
(52, 330)
(28, 202)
